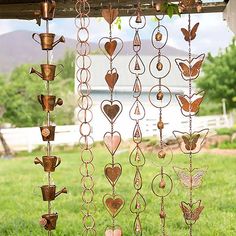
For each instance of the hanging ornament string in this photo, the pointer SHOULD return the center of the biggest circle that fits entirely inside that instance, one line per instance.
(160, 97)
(190, 142)
(48, 103)
(137, 113)
(85, 116)
(111, 47)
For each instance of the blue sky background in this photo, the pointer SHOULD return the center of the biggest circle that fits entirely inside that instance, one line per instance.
(213, 33)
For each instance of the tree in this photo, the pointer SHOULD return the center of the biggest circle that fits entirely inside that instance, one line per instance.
(20, 90)
(7, 151)
(219, 76)
(20, 100)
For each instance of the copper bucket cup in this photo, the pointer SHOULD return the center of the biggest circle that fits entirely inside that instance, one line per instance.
(49, 192)
(48, 133)
(47, 40)
(49, 221)
(48, 102)
(47, 10)
(49, 163)
(48, 71)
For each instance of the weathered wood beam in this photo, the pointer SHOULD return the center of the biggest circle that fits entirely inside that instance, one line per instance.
(24, 9)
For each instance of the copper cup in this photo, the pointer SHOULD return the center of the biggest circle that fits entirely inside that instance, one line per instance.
(49, 192)
(47, 40)
(48, 71)
(49, 221)
(49, 163)
(48, 133)
(48, 102)
(47, 10)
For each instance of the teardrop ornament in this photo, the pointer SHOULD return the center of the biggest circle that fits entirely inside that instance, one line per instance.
(139, 201)
(137, 66)
(137, 88)
(137, 42)
(138, 180)
(137, 226)
(137, 111)
(138, 18)
(137, 134)
(136, 157)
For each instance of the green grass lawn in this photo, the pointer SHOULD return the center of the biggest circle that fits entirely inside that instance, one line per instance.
(21, 205)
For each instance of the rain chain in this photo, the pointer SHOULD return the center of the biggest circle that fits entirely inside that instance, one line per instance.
(48, 103)
(137, 113)
(190, 142)
(85, 116)
(160, 97)
(111, 47)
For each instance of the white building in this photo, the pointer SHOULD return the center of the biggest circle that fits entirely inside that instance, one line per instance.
(123, 91)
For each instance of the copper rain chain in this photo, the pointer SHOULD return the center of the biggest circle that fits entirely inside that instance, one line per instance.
(85, 116)
(137, 113)
(191, 141)
(160, 96)
(48, 103)
(111, 47)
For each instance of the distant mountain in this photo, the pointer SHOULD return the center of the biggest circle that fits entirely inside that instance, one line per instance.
(18, 48)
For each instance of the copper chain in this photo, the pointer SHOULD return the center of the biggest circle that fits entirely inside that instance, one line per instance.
(190, 127)
(111, 108)
(162, 69)
(137, 113)
(193, 141)
(85, 116)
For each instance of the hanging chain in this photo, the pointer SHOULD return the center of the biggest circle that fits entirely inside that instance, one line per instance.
(111, 46)
(192, 142)
(137, 113)
(85, 116)
(160, 97)
(48, 103)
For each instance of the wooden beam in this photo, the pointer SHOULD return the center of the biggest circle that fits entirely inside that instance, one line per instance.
(24, 9)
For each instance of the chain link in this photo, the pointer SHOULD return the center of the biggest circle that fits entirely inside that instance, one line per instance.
(85, 115)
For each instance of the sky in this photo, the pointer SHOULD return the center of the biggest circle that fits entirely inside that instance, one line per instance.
(213, 33)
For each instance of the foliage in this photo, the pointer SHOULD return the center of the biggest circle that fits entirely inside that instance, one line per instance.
(68, 73)
(64, 87)
(170, 8)
(118, 23)
(227, 145)
(210, 108)
(22, 210)
(20, 90)
(19, 101)
(219, 77)
(226, 131)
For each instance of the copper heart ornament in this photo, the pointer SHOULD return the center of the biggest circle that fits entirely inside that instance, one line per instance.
(113, 232)
(110, 15)
(113, 173)
(111, 78)
(113, 204)
(111, 109)
(110, 47)
(112, 141)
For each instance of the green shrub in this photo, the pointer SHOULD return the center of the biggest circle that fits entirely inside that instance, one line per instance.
(227, 145)
(226, 131)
